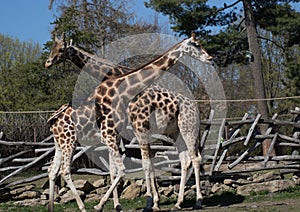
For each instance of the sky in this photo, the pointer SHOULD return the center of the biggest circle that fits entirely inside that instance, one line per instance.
(29, 20)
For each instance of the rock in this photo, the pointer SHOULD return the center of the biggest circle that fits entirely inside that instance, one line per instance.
(140, 182)
(27, 195)
(100, 183)
(228, 182)
(92, 197)
(166, 191)
(22, 189)
(83, 185)
(69, 196)
(220, 188)
(100, 191)
(243, 181)
(131, 192)
(31, 202)
(270, 186)
(189, 195)
(266, 177)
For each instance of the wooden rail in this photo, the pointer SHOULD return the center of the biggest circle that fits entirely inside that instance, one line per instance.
(223, 160)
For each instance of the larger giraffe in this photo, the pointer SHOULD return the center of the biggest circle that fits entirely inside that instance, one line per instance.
(151, 95)
(112, 98)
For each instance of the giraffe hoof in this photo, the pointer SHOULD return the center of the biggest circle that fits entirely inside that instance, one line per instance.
(98, 208)
(155, 208)
(176, 208)
(198, 205)
(147, 210)
(119, 208)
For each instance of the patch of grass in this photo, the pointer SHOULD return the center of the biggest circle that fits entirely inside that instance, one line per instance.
(290, 193)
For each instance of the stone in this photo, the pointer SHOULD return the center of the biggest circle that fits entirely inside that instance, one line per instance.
(92, 197)
(100, 183)
(131, 192)
(220, 188)
(69, 196)
(243, 181)
(22, 189)
(83, 185)
(27, 195)
(270, 186)
(140, 182)
(266, 177)
(228, 182)
(100, 191)
(166, 191)
(31, 202)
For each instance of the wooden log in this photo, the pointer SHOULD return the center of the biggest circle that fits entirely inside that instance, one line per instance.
(27, 180)
(206, 131)
(220, 140)
(23, 160)
(81, 152)
(3, 160)
(275, 158)
(289, 144)
(248, 150)
(9, 168)
(163, 138)
(296, 166)
(23, 143)
(231, 138)
(153, 147)
(47, 139)
(91, 171)
(250, 132)
(288, 138)
(270, 149)
(26, 166)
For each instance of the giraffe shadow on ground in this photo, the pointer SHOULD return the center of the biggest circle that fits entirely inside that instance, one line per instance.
(224, 199)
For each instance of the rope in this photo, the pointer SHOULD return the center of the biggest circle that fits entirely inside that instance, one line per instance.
(248, 100)
(196, 100)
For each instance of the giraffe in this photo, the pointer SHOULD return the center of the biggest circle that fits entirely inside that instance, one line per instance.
(64, 113)
(112, 98)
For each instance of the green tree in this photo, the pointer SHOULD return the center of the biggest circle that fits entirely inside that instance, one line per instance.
(270, 15)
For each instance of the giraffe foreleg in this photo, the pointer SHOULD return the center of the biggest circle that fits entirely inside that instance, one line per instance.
(113, 173)
(53, 173)
(152, 194)
(117, 160)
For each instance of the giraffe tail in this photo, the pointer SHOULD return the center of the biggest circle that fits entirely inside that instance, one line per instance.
(57, 113)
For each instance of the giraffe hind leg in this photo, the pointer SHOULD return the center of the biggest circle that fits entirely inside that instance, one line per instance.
(53, 173)
(66, 174)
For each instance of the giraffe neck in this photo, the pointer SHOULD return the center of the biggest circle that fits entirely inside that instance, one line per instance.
(133, 82)
(97, 67)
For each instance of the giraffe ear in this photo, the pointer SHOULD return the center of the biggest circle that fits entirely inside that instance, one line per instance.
(193, 35)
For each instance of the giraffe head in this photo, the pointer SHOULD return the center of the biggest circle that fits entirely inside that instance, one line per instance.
(193, 48)
(58, 51)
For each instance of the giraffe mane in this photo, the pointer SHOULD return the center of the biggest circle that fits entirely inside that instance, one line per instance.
(151, 61)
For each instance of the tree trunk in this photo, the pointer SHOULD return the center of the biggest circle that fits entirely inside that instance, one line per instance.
(257, 70)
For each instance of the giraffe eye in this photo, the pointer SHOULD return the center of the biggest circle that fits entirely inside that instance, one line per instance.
(61, 50)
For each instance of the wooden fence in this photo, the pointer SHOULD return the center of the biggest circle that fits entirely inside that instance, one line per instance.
(234, 149)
